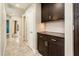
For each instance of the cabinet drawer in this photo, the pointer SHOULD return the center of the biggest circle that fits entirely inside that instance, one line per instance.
(43, 36)
(57, 41)
(52, 39)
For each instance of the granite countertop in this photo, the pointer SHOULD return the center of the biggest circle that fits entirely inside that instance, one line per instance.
(53, 33)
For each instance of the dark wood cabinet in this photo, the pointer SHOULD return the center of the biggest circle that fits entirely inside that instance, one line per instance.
(76, 29)
(52, 11)
(56, 48)
(42, 45)
(45, 12)
(50, 45)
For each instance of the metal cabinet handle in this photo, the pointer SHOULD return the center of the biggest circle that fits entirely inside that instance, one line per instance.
(46, 43)
(41, 36)
(53, 40)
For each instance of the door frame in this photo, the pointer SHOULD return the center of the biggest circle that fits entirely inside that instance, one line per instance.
(24, 29)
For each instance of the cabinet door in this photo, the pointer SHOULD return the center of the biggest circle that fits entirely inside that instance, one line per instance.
(44, 12)
(56, 48)
(76, 29)
(42, 46)
(56, 11)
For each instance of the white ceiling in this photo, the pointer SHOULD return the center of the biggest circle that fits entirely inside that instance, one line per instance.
(16, 9)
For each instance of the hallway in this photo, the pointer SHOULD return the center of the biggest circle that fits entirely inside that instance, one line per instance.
(19, 41)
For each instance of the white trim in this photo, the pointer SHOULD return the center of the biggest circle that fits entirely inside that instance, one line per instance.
(4, 11)
(69, 29)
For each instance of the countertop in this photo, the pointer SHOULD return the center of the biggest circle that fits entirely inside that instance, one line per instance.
(53, 33)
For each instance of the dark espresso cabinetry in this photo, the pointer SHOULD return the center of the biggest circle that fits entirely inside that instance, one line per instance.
(42, 45)
(52, 11)
(56, 48)
(49, 45)
(76, 29)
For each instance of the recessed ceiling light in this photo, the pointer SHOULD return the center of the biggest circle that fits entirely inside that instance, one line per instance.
(17, 5)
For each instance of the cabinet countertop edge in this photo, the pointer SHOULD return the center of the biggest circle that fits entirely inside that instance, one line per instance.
(53, 34)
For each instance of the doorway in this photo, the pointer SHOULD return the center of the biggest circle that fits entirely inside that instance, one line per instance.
(24, 29)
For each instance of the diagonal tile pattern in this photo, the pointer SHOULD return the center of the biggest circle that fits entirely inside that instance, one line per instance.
(13, 48)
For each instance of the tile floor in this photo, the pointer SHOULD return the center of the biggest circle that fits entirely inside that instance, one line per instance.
(13, 48)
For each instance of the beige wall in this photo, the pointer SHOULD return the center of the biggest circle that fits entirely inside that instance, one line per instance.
(0, 24)
(39, 26)
(55, 26)
(33, 18)
(3, 27)
(30, 17)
